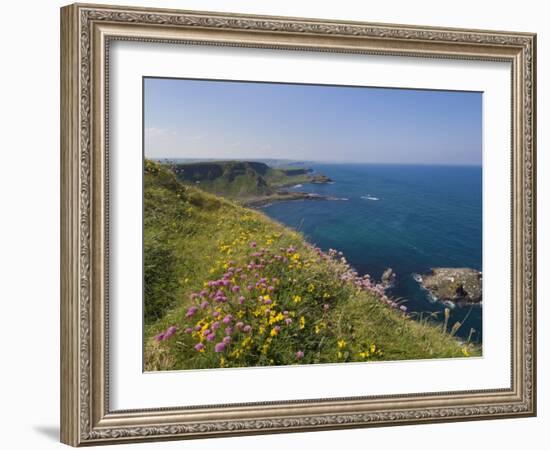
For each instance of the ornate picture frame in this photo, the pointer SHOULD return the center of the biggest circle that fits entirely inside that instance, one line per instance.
(87, 31)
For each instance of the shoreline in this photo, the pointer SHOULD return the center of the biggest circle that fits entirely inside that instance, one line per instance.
(285, 196)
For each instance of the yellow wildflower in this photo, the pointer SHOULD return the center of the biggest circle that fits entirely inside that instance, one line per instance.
(297, 299)
(341, 343)
(275, 318)
(237, 353)
(302, 322)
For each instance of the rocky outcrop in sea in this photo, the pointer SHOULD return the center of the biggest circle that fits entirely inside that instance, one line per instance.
(457, 285)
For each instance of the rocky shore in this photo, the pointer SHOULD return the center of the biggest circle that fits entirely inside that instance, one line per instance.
(457, 285)
(283, 196)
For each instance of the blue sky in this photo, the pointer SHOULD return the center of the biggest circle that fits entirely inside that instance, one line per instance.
(240, 120)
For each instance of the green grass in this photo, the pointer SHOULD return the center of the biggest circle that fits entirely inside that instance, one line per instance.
(313, 306)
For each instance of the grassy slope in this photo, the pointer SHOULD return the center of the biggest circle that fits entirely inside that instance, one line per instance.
(192, 237)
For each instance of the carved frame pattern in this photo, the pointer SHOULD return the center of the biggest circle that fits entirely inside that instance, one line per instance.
(86, 418)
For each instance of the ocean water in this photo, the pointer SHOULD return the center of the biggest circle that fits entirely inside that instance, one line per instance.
(409, 218)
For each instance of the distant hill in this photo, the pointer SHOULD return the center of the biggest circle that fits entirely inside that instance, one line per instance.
(243, 179)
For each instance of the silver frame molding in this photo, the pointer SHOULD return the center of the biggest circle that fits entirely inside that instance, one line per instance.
(86, 33)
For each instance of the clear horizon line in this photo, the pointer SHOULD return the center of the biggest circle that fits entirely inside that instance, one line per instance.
(324, 161)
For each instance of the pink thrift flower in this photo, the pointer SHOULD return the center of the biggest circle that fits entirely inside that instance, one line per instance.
(191, 311)
(253, 244)
(326, 306)
(229, 330)
(199, 347)
(188, 330)
(219, 347)
(241, 300)
(211, 337)
(170, 332)
(239, 325)
(226, 340)
(288, 320)
(247, 329)
(299, 354)
(215, 325)
(204, 304)
(159, 337)
(235, 289)
(227, 319)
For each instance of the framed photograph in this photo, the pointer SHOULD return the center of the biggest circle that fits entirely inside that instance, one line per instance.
(276, 224)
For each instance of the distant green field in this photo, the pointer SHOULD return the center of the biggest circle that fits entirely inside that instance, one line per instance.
(225, 286)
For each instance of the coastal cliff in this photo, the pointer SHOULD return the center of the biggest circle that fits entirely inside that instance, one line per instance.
(284, 300)
(249, 182)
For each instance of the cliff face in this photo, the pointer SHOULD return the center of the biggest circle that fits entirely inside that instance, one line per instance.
(213, 170)
(231, 178)
(244, 179)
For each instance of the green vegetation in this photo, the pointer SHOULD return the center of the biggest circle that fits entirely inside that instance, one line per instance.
(245, 181)
(228, 287)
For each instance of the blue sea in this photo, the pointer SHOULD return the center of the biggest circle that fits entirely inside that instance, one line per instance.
(409, 218)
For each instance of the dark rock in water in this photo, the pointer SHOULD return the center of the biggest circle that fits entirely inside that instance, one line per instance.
(388, 278)
(320, 179)
(453, 284)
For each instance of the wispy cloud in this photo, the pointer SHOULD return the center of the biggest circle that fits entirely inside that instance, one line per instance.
(157, 132)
